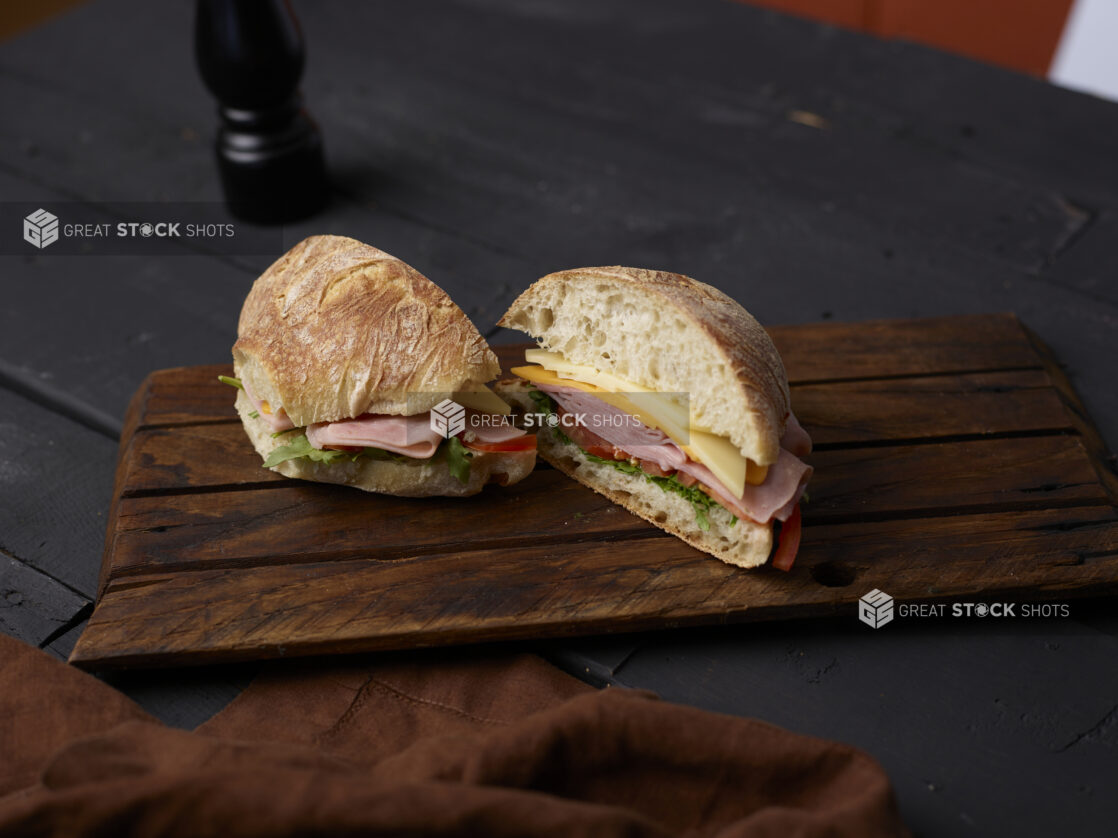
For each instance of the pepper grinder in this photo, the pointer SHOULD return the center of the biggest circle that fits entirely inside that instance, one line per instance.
(269, 151)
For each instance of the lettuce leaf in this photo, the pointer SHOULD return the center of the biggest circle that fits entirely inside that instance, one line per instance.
(300, 447)
(542, 399)
(700, 501)
(621, 465)
(546, 406)
(458, 459)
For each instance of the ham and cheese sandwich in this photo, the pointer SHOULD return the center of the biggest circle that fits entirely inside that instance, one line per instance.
(343, 351)
(666, 396)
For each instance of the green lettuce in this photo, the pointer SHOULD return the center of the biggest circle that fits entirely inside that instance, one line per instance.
(700, 501)
(458, 459)
(546, 406)
(300, 446)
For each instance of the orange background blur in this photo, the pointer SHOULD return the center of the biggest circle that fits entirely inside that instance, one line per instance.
(1020, 34)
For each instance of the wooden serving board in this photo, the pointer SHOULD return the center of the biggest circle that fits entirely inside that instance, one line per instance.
(952, 459)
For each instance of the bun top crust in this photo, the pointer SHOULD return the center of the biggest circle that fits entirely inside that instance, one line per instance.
(669, 333)
(336, 328)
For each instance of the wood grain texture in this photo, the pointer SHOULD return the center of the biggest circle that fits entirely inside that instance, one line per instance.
(950, 465)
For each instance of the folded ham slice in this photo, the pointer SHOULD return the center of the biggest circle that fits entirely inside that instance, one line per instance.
(408, 435)
(493, 430)
(795, 438)
(775, 498)
(277, 419)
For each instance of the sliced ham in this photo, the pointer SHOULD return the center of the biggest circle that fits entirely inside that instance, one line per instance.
(490, 428)
(276, 419)
(775, 498)
(408, 435)
(795, 438)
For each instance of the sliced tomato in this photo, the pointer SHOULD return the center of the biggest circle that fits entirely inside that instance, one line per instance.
(789, 542)
(519, 443)
(606, 452)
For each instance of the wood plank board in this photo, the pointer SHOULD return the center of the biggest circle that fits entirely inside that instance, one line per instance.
(952, 459)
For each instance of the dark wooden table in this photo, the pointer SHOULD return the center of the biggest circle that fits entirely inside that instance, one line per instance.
(811, 173)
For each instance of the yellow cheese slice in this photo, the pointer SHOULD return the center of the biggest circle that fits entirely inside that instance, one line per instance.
(483, 400)
(657, 410)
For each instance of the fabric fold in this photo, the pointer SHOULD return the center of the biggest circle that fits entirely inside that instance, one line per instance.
(450, 746)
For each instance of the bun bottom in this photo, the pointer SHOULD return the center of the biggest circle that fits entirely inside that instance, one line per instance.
(743, 544)
(412, 479)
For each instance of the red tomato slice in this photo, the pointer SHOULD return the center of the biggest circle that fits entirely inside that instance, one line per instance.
(789, 542)
(606, 452)
(520, 443)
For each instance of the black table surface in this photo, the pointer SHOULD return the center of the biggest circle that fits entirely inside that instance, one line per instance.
(810, 172)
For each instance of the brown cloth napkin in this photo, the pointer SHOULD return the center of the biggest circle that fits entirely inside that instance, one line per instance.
(496, 746)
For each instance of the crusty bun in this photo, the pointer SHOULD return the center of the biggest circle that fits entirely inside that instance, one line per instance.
(336, 328)
(410, 478)
(669, 333)
(744, 543)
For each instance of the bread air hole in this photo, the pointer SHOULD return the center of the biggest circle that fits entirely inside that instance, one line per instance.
(660, 517)
(544, 318)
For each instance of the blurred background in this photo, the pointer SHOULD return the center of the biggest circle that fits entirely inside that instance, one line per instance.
(1070, 42)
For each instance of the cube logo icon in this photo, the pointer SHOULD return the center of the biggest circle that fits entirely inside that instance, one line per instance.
(448, 418)
(40, 228)
(875, 609)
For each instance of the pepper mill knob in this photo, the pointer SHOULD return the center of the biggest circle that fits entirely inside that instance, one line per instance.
(269, 150)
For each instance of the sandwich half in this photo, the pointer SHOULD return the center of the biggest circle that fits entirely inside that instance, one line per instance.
(354, 368)
(669, 398)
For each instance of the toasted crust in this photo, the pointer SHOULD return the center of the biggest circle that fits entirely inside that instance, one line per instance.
(742, 543)
(336, 328)
(670, 333)
(414, 479)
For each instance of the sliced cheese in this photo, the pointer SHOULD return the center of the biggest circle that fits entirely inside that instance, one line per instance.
(483, 400)
(657, 410)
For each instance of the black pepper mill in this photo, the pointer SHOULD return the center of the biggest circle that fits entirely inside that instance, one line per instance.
(269, 151)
